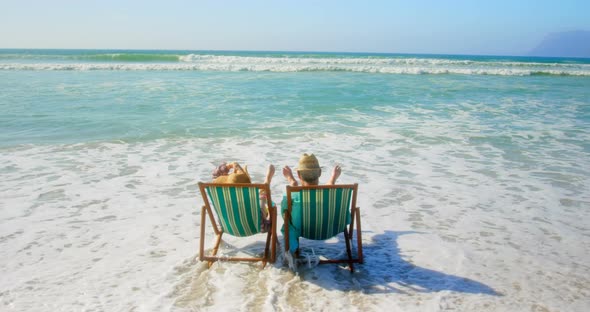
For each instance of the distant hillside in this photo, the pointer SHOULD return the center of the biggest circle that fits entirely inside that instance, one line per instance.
(565, 44)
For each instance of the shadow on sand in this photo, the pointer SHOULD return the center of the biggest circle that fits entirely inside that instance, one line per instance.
(385, 271)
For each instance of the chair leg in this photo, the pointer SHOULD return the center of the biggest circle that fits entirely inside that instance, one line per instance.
(217, 243)
(215, 247)
(273, 228)
(348, 251)
(202, 234)
(267, 246)
(351, 226)
(359, 239)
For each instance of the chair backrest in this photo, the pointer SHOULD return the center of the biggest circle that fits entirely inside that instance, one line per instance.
(325, 209)
(237, 206)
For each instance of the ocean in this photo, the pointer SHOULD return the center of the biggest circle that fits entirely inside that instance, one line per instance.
(473, 172)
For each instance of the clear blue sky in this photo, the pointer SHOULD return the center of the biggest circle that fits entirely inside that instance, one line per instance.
(505, 27)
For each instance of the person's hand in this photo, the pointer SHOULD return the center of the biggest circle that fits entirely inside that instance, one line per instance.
(335, 174)
(270, 172)
(288, 174)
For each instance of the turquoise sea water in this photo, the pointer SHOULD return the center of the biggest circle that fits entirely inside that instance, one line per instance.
(474, 174)
(67, 96)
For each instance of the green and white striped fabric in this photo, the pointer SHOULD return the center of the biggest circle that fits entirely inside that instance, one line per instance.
(325, 212)
(238, 209)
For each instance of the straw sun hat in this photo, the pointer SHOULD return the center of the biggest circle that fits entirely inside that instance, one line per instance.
(309, 167)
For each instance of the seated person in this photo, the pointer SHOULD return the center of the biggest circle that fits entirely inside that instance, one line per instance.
(222, 174)
(309, 172)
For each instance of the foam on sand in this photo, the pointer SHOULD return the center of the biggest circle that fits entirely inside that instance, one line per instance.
(112, 225)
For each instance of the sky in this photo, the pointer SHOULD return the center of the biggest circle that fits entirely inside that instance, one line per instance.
(491, 27)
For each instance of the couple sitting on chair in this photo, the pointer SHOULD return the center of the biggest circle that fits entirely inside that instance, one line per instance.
(309, 210)
(308, 170)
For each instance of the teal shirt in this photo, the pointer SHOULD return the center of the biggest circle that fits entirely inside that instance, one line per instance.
(295, 224)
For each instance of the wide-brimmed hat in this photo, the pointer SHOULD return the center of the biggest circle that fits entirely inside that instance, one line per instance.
(309, 165)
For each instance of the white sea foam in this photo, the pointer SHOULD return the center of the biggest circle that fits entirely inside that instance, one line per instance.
(197, 62)
(447, 224)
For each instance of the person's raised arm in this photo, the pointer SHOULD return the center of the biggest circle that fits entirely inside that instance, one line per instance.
(288, 174)
(335, 174)
(270, 172)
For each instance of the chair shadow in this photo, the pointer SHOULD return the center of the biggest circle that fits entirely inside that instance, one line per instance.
(385, 271)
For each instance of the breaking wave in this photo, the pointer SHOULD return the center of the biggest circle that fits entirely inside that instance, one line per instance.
(290, 63)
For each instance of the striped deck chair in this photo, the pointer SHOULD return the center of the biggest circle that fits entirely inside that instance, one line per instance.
(237, 207)
(326, 211)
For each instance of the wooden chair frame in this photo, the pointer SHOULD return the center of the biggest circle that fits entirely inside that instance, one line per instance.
(355, 217)
(271, 237)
